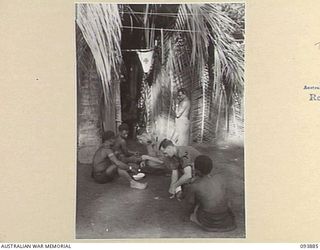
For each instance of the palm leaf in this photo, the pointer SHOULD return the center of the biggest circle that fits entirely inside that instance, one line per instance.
(216, 28)
(101, 28)
(100, 25)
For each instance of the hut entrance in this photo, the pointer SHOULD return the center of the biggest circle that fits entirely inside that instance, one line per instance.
(133, 103)
(130, 88)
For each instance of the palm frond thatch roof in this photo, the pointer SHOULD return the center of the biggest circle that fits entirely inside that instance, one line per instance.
(101, 28)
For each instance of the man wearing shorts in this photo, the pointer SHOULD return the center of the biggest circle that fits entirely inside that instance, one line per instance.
(106, 166)
(180, 161)
(207, 194)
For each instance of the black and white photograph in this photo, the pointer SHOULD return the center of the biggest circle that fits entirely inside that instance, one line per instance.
(160, 121)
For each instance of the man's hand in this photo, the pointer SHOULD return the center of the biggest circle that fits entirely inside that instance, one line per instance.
(134, 168)
(172, 189)
(142, 164)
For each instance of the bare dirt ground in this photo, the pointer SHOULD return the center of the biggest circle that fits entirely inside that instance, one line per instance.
(115, 211)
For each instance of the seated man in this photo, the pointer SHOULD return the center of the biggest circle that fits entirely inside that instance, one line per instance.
(106, 166)
(121, 149)
(180, 160)
(207, 194)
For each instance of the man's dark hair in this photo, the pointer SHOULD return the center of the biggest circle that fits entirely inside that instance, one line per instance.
(182, 90)
(123, 126)
(203, 163)
(107, 135)
(165, 143)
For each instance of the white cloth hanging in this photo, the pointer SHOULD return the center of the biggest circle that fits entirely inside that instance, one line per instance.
(146, 59)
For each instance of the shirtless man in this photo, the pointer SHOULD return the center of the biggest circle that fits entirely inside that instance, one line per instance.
(180, 161)
(106, 166)
(182, 118)
(121, 149)
(208, 197)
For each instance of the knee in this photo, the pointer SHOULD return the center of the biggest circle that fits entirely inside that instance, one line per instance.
(112, 170)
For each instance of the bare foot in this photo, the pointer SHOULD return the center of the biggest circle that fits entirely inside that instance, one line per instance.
(193, 218)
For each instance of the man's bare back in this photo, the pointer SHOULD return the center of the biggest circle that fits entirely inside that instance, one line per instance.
(210, 191)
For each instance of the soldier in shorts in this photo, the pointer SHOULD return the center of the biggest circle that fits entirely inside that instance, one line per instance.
(106, 166)
(180, 161)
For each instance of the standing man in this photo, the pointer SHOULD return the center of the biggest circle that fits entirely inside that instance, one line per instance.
(106, 166)
(208, 196)
(182, 118)
(121, 148)
(180, 162)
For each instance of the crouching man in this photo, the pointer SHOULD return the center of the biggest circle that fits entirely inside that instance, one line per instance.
(207, 194)
(180, 161)
(106, 166)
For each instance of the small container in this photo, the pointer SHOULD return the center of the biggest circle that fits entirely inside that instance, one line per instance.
(138, 176)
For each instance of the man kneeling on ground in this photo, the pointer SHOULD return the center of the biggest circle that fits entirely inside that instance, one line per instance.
(207, 194)
(180, 161)
(106, 166)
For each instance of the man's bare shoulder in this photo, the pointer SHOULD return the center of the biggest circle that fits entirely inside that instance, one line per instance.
(119, 141)
(105, 150)
(197, 184)
(204, 183)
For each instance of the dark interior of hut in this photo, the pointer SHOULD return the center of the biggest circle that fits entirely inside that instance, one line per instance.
(133, 39)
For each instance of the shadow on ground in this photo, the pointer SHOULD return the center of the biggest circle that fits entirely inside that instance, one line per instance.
(115, 211)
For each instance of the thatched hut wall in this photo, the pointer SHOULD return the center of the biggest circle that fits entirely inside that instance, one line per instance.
(94, 114)
(89, 112)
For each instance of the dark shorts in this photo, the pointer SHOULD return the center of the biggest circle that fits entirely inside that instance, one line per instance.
(216, 222)
(103, 177)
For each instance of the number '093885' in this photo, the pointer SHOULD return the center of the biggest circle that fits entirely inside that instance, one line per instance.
(309, 246)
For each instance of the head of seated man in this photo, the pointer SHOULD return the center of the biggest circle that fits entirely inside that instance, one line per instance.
(203, 165)
(123, 131)
(108, 137)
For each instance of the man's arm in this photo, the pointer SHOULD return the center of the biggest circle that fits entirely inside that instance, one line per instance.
(120, 164)
(124, 148)
(150, 158)
(187, 175)
(174, 178)
(190, 195)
